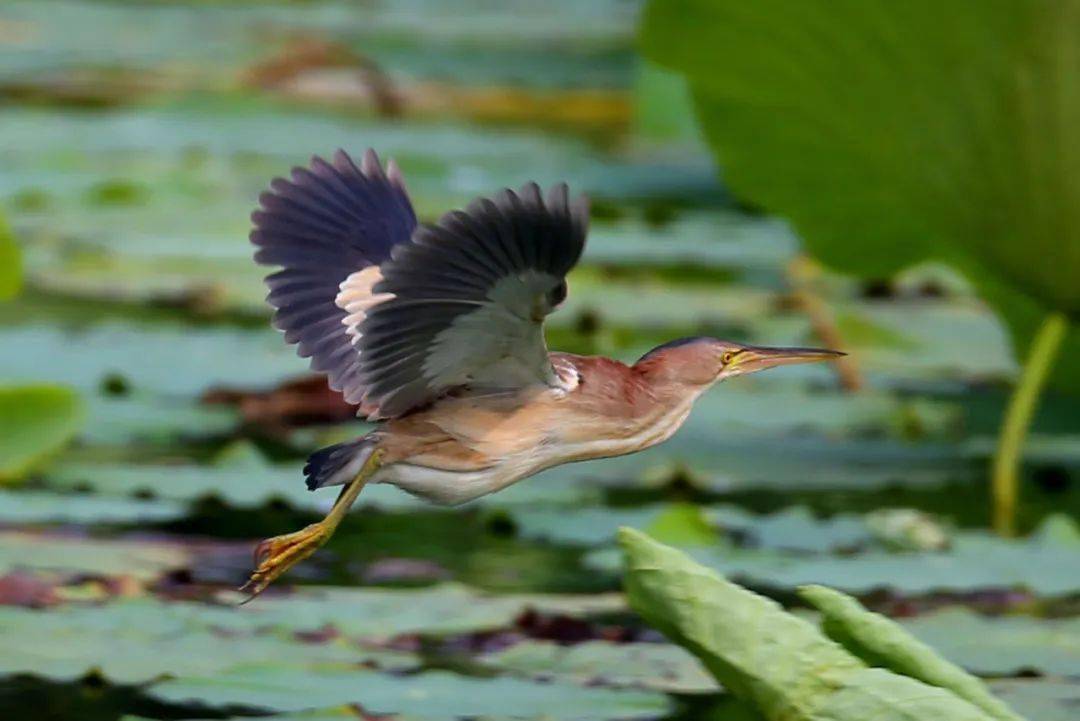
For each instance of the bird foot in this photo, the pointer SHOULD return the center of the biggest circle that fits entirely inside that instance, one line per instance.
(276, 555)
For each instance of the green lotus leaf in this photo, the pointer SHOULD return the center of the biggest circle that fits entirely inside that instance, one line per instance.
(1043, 563)
(891, 132)
(882, 642)
(1041, 699)
(778, 662)
(10, 263)
(72, 555)
(1010, 645)
(35, 421)
(428, 696)
(654, 666)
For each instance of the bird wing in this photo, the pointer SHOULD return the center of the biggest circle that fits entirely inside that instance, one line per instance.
(398, 318)
(466, 299)
(324, 224)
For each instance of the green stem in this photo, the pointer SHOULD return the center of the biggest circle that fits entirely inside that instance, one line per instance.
(1018, 415)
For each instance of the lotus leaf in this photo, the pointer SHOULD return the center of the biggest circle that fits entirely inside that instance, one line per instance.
(882, 642)
(10, 263)
(779, 663)
(430, 696)
(35, 421)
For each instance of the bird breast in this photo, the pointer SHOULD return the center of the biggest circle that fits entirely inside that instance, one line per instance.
(603, 435)
(504, 456)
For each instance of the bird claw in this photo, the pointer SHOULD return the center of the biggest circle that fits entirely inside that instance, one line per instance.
(276, 555)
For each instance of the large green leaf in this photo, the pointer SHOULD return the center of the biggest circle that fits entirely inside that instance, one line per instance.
(1044, 564)
(34, 422)
(659, 666)
(778, 662)
(430, 696)
(43, 507)
(151, 418)
(147, 357)
(882, 642)
(1024, 316)
(792, 529)
(375, 613)
(80, 556)
(888, 132)
(140, 640)
(10, 263)
(663, 108)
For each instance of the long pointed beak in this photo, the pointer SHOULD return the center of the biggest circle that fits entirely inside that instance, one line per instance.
(752, 359)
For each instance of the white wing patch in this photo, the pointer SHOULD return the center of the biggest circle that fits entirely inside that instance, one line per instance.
(356, 298)
(463, 303)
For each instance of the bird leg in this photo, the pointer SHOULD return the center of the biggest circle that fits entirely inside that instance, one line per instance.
(276, 555)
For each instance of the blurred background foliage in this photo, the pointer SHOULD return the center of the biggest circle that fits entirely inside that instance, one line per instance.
(892, 134)
(898, 180)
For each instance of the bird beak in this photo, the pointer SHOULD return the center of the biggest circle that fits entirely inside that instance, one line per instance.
(752, 359)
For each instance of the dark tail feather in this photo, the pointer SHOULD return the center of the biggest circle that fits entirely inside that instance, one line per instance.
(337, 464)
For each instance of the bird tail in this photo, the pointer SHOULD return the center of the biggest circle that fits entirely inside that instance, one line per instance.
(338, 464)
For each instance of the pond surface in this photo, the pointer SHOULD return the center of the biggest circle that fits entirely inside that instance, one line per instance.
(136, 138)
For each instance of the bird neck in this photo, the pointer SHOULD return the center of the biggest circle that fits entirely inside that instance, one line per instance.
(671, 394)
(623, 413)
(666, 401)
(672, 377)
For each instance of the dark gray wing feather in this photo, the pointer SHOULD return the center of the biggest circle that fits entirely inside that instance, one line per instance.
(469, 296)
(325, 223)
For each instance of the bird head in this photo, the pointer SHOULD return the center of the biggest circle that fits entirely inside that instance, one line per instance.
(702, 361)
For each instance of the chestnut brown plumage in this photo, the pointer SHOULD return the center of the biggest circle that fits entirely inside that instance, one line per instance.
(437, 331)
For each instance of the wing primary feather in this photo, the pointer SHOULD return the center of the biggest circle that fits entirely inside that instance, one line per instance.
(302, 212)
(487, 216)
(326, 191)
(528, 223)
(326, 222)
(459, 227)
(496, 258)
(457, 300)
(503, 209)
(456, 250)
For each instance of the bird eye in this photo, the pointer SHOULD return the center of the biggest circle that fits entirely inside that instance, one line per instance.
(726, 358)
(557, 294)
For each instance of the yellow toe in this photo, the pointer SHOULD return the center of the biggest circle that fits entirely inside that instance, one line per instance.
(275, 556)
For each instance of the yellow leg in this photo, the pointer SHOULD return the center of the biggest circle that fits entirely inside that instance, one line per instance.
(276, 555)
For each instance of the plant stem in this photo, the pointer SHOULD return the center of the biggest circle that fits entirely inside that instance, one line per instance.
(1017, 421)
(802, 271)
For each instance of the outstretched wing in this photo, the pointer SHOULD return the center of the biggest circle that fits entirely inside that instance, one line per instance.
(397, 315)
(326, 223)
(463, 303)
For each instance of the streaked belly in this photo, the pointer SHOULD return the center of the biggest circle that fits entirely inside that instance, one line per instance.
(452, 488)
(455, 486)
(616, 441)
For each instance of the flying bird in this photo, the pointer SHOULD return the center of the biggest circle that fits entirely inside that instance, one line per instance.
(437, 332)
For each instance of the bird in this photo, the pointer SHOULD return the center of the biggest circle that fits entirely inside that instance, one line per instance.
(436, 333)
